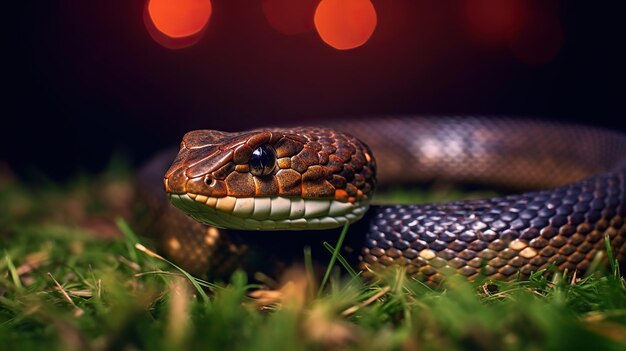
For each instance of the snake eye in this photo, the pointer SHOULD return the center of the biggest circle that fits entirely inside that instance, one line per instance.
(263, 161)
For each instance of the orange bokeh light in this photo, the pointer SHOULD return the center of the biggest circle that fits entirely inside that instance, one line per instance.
(290, 17)
(345, 24)
(179, 18)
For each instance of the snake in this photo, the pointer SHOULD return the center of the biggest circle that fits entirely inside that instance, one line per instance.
(250, 199)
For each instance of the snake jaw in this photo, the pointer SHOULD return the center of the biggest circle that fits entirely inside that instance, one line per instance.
(268, 213)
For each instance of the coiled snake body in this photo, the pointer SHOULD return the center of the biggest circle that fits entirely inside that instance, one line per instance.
(316, 178)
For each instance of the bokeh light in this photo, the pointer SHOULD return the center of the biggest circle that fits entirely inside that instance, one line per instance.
(494, 21)
(177, 24)
(290, 17)
(345, 24)
(531, 30)
(179, 18)
(539, 40)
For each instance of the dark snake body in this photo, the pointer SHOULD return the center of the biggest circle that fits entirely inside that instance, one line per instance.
(582, 169)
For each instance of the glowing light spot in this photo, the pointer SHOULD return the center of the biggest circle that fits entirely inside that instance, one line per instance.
(539, 41)
(290, 16)
(494, 21)
(345, 24)
(177, 24)
(179, 18)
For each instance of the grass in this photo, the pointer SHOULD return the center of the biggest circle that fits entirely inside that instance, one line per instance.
(74, 275)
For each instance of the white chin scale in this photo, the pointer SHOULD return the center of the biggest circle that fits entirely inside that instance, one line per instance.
(268, 213)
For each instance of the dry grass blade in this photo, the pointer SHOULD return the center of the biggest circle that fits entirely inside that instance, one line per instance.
(178, 322)
(149, 252)
(77, 310)
(32, 261)
(81, 293)
(267, 298)
(133, 265)
(293, 292)
(350, 311)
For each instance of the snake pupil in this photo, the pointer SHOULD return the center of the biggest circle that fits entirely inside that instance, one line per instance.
(262, 161)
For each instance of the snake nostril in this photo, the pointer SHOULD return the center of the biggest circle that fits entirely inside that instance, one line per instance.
(210, 181)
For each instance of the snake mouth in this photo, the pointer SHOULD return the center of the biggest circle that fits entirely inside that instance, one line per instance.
(268, 212)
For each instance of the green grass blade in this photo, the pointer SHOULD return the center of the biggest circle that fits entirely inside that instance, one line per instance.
(609, 253)
(131, 238)
(342, 260)
(13, 272)
(191, 278)
(333, 258)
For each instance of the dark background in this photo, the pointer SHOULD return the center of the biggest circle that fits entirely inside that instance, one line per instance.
(85, 80)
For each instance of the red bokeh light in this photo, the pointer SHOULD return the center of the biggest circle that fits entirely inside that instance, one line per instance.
(540, 39)
(494, 21)
(345, 24)
(290, 16)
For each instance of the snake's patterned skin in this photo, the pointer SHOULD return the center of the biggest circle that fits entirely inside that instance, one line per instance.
(563, 226)
(312, 163)
(501, 237)
(582, 169)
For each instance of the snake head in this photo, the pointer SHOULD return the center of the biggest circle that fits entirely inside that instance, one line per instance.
(299, 178)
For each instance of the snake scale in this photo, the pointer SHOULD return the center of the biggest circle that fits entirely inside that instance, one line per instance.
(568, 185)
